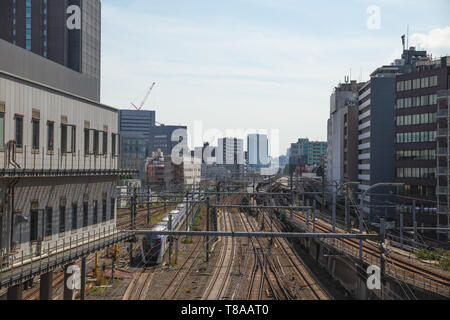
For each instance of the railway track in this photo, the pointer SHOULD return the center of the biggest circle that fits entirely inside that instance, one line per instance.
(139, 286)
(179, 278)
(311, 289)
(217, 286)
(414, 271)
(265, 268)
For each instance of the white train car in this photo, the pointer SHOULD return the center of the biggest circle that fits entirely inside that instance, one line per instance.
(154, 247)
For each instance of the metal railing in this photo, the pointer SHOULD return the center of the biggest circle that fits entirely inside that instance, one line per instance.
(29, 158)
(398, 273)
(16, 268)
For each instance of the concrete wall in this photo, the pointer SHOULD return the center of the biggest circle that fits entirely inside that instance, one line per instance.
(22, 63)
(21, 97)
(48, 193)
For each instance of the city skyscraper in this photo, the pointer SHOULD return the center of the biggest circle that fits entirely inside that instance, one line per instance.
(67, 32)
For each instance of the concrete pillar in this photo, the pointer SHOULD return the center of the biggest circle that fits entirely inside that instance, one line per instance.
(46, 286)
(83, 277)
(15, 293)
(69, 283)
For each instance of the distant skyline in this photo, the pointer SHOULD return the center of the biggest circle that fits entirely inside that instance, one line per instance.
(262, 64)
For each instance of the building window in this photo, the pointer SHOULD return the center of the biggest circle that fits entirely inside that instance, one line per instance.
(19, 131)
(62, 219)
(85, 214)
(48, 222)
(104, 211)
(96, 143)
(89, 141)
(35, 137)
(68, 134)
(34, 223)
(2, 130)
(112, 209)
(50, 136)
(74, 216)
(95, 212)
(105, 143)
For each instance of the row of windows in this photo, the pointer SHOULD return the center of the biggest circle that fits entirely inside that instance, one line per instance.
(417, 191)
(95, 142)
(407, 137)
(419, 83)
(415, 119)
(418, 101)
(75, 223)
(424, 173)
(424, 155)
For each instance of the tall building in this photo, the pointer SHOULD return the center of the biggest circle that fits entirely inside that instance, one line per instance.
(165, 138)
(298, 154)
(376, 139)
(316, 151)
(342, 145)
(443, 154)
(230, 155)
(136, 121)
(67, 32)
(257, 152)
(422, 140)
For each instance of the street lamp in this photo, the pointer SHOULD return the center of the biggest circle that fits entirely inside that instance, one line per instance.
(361, 209)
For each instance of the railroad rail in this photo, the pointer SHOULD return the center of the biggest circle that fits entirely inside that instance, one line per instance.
(437, 280)
(217, 285)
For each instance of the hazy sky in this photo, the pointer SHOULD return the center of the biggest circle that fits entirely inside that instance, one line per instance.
(255, 64)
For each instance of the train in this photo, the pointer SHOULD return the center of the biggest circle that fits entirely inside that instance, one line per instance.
(154, 247)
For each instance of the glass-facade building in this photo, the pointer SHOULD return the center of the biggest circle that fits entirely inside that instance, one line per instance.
(41, 26)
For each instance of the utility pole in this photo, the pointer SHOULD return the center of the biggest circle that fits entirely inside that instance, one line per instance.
(323, 184)
(308, 211)
(169, 227)
(382, 255)
(333, 213)
(83, 278)
(187, 210)
(415, 222)
(346, 209)
(314, 215)
(148, 205)
(401, 230)
(207, 229)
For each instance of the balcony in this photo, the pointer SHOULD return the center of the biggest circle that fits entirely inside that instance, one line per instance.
(443, 113)
(29, 161)
(443, 209)
(442, 132)
(442, 190)
(443, 94)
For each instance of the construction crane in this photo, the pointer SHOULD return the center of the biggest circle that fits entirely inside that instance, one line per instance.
(145, 99)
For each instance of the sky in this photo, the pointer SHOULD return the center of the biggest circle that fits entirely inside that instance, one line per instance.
(255, 64)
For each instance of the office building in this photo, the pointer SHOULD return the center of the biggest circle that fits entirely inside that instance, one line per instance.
(230, 156)
(341, 152)
(165, 138)
(42, 27)
(257, 152)
(422, 140)
(316, 151)
(136, 121)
